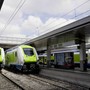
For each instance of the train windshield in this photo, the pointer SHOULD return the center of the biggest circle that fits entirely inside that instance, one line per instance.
(28, 51)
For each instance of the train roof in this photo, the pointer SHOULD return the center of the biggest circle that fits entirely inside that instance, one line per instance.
(23, 46)
(26, 46)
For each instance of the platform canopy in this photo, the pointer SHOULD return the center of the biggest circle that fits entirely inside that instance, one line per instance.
(70, 34)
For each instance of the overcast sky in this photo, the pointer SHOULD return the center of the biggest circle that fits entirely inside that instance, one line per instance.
(36, 17)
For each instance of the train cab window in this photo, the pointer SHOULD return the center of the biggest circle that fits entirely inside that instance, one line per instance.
(28, 51)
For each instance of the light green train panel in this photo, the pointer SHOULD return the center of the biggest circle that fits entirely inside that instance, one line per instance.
(76, 58)
(0, 56)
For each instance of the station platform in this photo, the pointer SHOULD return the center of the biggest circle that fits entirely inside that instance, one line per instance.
(73, 76)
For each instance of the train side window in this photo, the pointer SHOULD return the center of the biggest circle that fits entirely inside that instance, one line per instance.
(15, 54)
(0, 52)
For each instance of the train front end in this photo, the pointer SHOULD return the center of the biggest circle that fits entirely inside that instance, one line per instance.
(30, 59)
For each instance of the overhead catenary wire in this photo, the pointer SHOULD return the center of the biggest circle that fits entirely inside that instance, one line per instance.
(66, 15)
(65, 21)
(19, 6)
(62, 17)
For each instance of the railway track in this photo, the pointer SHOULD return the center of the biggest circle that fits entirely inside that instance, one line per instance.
(65, 84)
(39, 78)
(7, 84)
(41, 82)
(29, 82)
(33, 82)
(71, 83)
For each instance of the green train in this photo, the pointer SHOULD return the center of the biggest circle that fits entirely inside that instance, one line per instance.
(43, 59)
(2, 58)
(77, 59)
(23, 58)
(64, 59)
